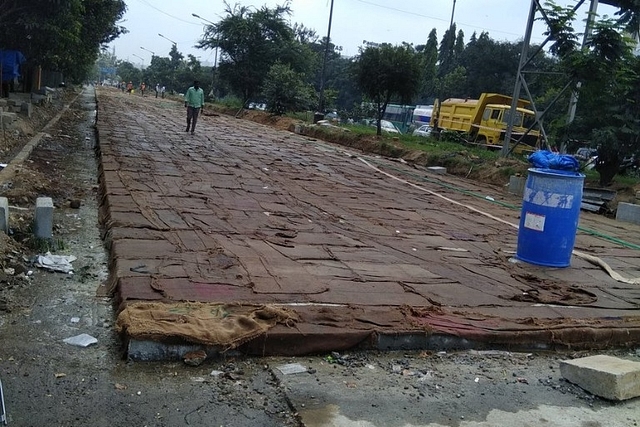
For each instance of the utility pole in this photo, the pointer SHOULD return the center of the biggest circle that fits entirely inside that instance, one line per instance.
(320, 113)
(453, 11)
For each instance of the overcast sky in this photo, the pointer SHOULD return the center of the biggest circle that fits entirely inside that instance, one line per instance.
(354, 21)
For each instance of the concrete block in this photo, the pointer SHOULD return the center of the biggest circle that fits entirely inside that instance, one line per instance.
(516, 184)
(3, 102)
(8, 117)
(43, 219)
(4, 214)
(628, 212)
(27, 109)
(437, 169)
(40, 98)
(7, 120)
(14, 109)
(11, 102)
(604, 376)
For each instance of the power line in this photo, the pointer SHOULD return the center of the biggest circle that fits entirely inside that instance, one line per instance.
(145, 2)
(395, 9)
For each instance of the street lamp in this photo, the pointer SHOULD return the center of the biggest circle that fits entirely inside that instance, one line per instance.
(141, 58)
(166, 38)
(150, 51)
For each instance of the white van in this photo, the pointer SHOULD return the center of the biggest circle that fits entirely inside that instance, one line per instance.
(422, 115)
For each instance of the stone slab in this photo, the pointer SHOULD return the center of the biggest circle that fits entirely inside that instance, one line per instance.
(437, 169)
(516, 185)
(628, 212)
(605, 376)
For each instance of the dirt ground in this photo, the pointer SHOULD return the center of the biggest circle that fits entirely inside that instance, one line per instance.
(49, 382)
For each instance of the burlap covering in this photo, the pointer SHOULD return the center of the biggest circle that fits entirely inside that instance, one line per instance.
(224, 325)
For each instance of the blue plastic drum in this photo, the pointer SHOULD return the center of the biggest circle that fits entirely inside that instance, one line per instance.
(549, 217)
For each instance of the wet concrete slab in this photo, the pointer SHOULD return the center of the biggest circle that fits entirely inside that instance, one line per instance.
(366, 251)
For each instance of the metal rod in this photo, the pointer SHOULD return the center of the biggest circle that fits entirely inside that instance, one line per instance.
(3, 415)
(516, 91)
(324, 63)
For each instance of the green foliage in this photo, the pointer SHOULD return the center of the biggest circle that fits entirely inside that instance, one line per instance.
(430, 66)
(284, 90)
(251, 41)
(78, 29)
(490, 66)
(629, 16)
(560, 29)
(453, 84)
(446, 55)
(129, 73)
(389, 72)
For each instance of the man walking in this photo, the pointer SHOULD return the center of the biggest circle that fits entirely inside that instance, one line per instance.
(194, 101)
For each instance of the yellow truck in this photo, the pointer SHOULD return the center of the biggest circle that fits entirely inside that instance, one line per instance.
(485, 120)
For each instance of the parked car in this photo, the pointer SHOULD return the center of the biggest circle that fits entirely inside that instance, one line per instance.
(585, 153)
(424, 130)
(257, 106)
(386, 126)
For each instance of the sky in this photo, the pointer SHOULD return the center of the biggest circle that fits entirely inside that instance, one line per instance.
(155, 24)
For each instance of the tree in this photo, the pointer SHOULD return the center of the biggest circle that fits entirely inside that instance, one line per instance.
(285, 90)
(251, 41)
(490, 66)
(388, 72)
(608, 111)
(129, 73)
(79, 28)
(446, 56)
(430, 65)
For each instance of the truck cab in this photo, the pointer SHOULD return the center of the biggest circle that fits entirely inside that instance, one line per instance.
(495, 118)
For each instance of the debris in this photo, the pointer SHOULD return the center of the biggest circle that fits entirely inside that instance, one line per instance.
(216, 373)
(75, 319)
(491, 199)
(606, 376)
(60, 263)
(120, 386)
(82, 340)
(3, 414)
(195, 358)
(291, 368)
(444, 248)
(60, 375)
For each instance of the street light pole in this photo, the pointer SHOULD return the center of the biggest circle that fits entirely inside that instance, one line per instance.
(150, 51)
(215, 58)
(141, 58)
(320, 114)
(175, 45)
(167, 38)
